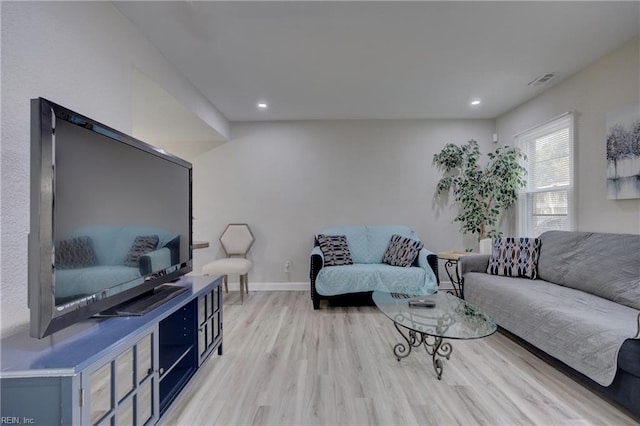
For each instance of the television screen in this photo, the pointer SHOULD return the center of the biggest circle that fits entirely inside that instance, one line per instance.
(111, 218)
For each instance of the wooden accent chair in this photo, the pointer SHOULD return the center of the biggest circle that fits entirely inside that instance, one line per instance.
(236, 241)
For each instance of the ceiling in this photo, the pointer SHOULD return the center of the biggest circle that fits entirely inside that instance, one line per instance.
(160, 119)
(377, 60)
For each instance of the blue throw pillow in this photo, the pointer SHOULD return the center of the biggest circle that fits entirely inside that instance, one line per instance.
(75, 253)
(402, 251)
(141, 246)
(335, 250)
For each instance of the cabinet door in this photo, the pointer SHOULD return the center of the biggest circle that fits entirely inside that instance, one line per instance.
(209, 323)
(122, 390)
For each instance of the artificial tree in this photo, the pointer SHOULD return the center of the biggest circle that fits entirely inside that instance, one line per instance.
(482, 193)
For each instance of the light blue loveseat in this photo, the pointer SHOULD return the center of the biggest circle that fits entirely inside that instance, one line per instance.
(367, 245)
(111, 245)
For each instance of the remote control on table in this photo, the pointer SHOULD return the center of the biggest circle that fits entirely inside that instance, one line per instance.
(421, 303)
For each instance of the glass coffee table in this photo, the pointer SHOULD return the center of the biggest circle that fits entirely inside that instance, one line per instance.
(450, 318)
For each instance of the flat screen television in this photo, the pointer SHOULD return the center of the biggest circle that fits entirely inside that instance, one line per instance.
(110, 218)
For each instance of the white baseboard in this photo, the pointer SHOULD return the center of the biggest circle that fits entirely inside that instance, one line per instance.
(302, 286)
(287, 286)
(445, 285)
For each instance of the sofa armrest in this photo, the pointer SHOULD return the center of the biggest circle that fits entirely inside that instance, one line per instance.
(317, 262)
(474, 263)
(154, 261)
(429, 260)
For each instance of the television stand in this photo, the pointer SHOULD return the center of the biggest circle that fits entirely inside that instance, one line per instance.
(144, 303)
(120, 370)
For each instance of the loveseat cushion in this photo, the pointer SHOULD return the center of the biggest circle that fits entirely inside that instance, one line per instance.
(379, 237)
(368, 243)
(335, 250)
(607, 265)
(401, 251)
(356, 239)
(361, 277)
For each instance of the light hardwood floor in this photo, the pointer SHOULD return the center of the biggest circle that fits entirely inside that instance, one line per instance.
(286, 364)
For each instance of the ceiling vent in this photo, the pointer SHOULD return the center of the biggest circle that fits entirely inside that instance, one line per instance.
(542, 79)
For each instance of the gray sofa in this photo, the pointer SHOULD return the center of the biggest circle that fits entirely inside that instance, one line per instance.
(583, 310)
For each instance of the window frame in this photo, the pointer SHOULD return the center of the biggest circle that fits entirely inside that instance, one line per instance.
(522, 140)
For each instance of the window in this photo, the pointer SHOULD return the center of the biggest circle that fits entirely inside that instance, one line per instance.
(546, 203)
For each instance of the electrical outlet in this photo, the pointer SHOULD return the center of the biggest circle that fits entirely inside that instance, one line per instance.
(287, 266)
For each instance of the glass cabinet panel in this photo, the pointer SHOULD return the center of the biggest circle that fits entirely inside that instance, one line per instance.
(125, 413)
(209, 327)
(210, 332)
(145, 402)
(121, 392)
(100, 393)
(201, 310)
(144, 358)
(202, 339)
(124, 374)
(144, 395)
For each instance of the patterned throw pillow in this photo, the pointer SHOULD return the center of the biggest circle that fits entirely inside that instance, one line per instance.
(515, 257)
(141, 245)
(402, 251)
(335, 250)
(75, 253)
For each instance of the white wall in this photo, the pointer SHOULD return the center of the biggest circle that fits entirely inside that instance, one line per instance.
(607, 84)
(81, 55)
(289, 180)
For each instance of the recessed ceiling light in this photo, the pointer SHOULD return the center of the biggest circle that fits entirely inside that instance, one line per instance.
(475, 102)
(262, 105)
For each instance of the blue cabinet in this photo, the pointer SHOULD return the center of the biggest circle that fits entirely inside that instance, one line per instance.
(120, 389)
(209, 324)
(124, 371)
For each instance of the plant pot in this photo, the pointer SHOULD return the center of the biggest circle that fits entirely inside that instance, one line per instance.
(485, 246)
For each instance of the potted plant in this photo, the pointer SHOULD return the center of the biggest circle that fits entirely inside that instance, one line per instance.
(482, 193)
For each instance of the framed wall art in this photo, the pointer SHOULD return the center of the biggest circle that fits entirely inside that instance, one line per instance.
(623, 152)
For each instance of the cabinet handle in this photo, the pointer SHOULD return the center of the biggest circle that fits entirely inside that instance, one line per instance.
(161, 371)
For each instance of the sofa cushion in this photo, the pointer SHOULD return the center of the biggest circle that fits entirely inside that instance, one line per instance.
(141, 245)
(75, 253)
(401, 251)
(361, 277)
(607, 265)
(335, 250)
(582, 330)
(514, 257)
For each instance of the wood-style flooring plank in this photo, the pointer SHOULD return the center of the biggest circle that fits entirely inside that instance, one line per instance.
(286, 364)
